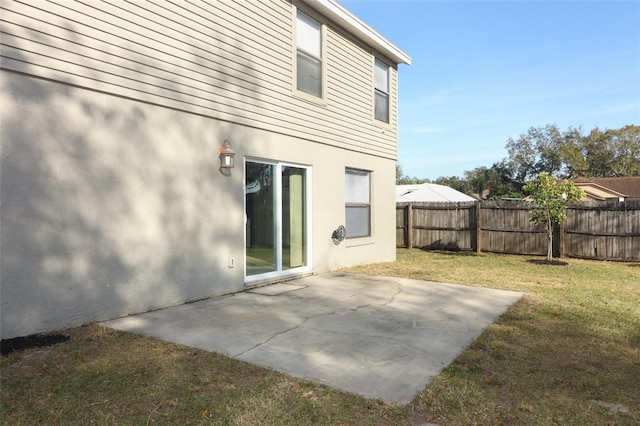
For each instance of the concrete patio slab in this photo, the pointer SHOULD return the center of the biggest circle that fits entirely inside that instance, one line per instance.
(378, 337)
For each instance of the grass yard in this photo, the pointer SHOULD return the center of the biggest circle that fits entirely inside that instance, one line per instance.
(566, 350)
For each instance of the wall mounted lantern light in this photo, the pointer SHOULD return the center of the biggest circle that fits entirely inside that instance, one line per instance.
(226, 155)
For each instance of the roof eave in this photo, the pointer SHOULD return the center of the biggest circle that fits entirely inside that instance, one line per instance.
(336, 12)
(600, 187)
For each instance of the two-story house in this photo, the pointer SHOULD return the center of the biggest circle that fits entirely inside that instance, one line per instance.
(115, 195)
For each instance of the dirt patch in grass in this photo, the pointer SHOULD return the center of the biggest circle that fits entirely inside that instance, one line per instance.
(548, 262)
(8, 346)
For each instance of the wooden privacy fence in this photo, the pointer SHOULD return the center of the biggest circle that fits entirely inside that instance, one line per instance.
(593, 230)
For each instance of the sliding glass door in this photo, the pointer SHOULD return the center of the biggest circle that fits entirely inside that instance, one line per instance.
(276, 208)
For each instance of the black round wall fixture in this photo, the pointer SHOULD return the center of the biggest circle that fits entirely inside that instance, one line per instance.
(339, 235)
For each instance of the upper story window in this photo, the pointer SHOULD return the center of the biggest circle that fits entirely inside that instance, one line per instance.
(381, 88)
(309, 55)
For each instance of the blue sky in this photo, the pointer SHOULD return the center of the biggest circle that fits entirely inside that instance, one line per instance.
(484, 71)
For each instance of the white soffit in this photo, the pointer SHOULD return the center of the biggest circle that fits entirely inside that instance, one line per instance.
(337, 13)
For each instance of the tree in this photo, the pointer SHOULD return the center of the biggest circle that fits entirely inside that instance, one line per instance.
(478, 180)
(546, 149)
(399, 173)
(456, 183)
(627, 145)
(402, 179)
(537, 151)
(495, 182)
(571, 154)
(614, 152)
(550, 199)
(501, 182)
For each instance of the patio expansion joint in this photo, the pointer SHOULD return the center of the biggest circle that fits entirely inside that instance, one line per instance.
(306, 319)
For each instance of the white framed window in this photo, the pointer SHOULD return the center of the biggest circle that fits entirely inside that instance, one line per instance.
(381, 91)
(309, 66)
(358, 203)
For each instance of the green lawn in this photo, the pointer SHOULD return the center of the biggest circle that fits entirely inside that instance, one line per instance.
(568, 347)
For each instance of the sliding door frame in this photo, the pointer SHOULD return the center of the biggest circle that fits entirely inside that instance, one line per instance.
(280, 271)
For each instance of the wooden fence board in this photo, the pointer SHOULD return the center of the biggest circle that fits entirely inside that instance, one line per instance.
(593, 230)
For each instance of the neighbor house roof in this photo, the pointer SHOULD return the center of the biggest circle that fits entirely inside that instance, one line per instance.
(610, 187)
(339, 14)
(429, 192)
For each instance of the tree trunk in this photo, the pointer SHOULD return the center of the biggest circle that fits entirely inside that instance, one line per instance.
(550, 241)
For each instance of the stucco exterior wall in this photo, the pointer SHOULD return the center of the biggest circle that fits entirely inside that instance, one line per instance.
(111, 206)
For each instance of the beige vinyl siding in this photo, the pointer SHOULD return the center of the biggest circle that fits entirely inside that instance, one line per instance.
(351, 94)
(349, 68)
(393, 97)
(354, 70)
(227, 60)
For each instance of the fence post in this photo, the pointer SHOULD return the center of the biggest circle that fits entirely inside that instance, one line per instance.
(410, 225)
(561, 232)
(478, 229)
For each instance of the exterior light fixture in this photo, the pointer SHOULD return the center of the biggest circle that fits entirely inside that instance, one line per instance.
(226, 155)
